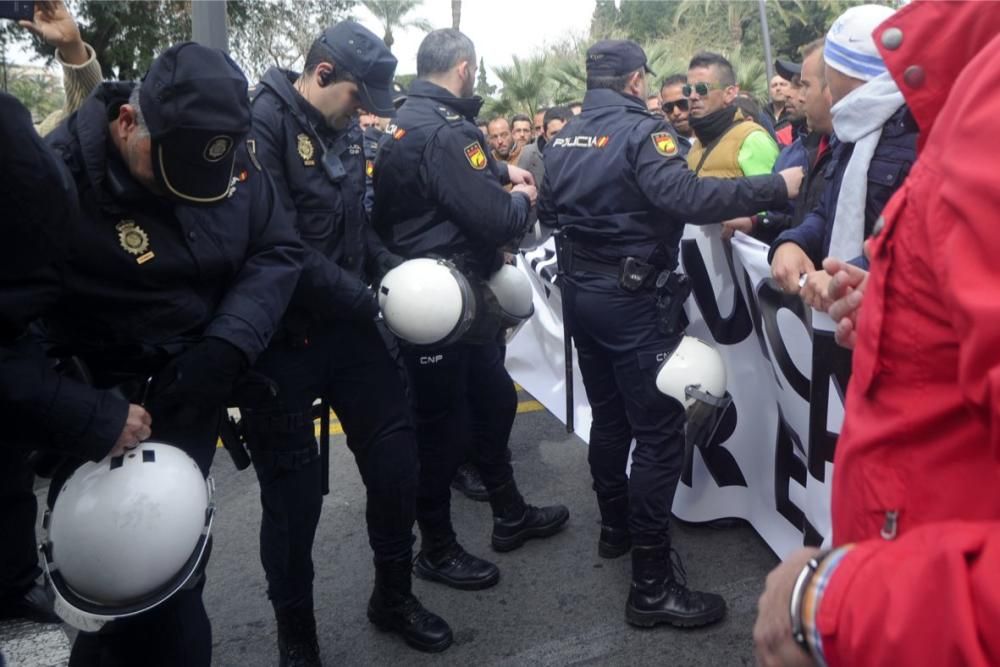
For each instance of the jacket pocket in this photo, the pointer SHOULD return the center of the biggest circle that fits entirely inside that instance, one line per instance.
(880, 494)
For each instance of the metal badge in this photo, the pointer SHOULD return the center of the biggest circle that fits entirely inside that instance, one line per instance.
(306, 150)
(134, 240)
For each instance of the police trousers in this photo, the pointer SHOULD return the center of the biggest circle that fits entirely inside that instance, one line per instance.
(18, 513)
(178, 631)
(346, 363)
(458, 392)
(620, 350)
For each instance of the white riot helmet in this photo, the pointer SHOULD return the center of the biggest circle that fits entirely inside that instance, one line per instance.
(427, 302)
(513, 293)
(126, 533)
(695, 375)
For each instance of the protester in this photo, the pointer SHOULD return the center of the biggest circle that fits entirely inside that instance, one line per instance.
(503, 146)
(532, 155)
(521, 129)
(792, 122)
(653, 105)
(812, 152)
(575, 107)
(778, 89)
(877, 135)
(54, 24)
(674, 105)
(729, 145)
(538, 127)
(912, 577)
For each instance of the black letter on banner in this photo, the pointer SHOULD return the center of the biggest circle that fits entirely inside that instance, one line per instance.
(788, 466)
(756, 317)
(829, 361)
(721, 464)
(771, 301)
(547, 273)
(729, 330)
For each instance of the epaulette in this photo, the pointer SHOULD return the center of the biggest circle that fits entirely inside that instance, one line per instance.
(452, 117)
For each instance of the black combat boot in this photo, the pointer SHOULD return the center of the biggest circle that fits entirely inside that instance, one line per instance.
(297, 643)
(514, 521)
(615, 539)
(657, 596)
(445, 561)
(468, 481)
(394, 608)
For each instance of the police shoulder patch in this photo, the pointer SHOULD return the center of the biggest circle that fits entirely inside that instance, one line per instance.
(476, 156)
(664, 143)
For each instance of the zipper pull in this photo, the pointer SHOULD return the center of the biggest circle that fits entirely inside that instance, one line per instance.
(891, 525)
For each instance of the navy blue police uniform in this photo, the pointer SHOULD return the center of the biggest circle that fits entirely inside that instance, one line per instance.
(39, 203)
(186, 286)
(438, 193)
(618, 192)
(329, 347)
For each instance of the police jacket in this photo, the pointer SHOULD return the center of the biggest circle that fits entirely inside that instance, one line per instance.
(894, 155)
(319, 173)
(804, 152)
(616, 184)
(38, 407)
(438, 191)
(147, 273)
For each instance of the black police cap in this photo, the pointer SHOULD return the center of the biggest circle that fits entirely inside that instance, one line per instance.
(194, 100)
(615, 57)
(787, 69)
(363, 54)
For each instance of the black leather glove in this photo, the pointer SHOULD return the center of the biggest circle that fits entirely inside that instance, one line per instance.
(364, 305)
(203, 375)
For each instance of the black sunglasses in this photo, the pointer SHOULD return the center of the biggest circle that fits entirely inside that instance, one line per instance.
(668, 107)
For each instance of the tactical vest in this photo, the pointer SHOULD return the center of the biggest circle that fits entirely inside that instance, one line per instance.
(723, 160)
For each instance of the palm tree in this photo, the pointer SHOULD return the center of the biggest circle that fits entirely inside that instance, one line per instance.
(738, 15)
(456, 13)
(523, 84)
(392, 15)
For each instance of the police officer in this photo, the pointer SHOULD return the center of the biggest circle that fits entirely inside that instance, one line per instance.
(182, 264)
(328, 345)
(439, 194)
(618, 247)
(40, 208)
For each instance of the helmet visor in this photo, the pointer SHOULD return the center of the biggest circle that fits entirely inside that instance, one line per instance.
(704, 415)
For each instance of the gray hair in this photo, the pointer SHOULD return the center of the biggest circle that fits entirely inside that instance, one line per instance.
(443, 49)
(140, 119)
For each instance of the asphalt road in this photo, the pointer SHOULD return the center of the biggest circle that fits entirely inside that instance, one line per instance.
(557, 603)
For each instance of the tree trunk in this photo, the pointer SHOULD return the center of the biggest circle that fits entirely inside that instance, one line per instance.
(388, 39)
(456, 13)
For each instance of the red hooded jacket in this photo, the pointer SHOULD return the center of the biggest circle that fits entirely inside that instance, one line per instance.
(917, 482)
